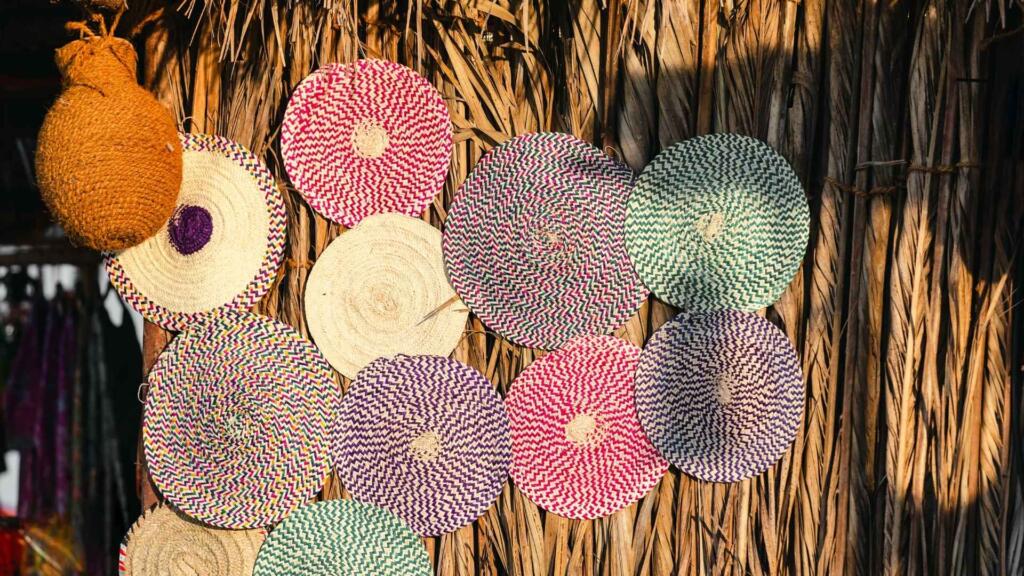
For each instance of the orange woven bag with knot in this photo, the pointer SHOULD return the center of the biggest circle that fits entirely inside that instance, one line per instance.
(108, 160)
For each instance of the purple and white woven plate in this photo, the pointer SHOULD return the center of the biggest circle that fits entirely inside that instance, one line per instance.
(720, 394)
(425, 437)
(535, 245)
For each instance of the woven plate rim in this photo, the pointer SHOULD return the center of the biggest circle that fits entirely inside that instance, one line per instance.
(168, 481)
(652, 182)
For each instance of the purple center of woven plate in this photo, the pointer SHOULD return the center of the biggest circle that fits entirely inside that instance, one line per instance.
(190, 229)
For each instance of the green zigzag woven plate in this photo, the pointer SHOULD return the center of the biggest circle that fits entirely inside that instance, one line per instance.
(342, 538)
(718, 221)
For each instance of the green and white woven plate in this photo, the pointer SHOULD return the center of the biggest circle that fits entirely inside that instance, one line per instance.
(342, 538)
(719, 221)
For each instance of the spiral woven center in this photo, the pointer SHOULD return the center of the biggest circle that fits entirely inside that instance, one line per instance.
(190, 229)
(583, 430)
(723, 389)
(551, 243)
(426, 447)
(237, 426)
(369, 139)
(383, 301)
(710, 225)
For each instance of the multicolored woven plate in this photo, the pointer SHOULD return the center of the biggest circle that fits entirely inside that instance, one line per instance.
(534, 241)
(163, 541)
(364, 138)
(222, 247)
(716, 222)
(720, 394)
(577, 447)
(238, 420)
(342, 538)
(380, 289)
(425, 437)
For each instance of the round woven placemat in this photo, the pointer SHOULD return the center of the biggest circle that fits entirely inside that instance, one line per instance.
(165, 542)
(534, 241)
(718, 221)
(380, 289)
(577, 447)
(342, 538)
(425, 437)
(220, 249)
(364, 138)
(720, 394)
(238, 420)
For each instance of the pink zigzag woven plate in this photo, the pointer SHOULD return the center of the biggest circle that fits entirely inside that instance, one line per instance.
(365, 138)
(578, 449)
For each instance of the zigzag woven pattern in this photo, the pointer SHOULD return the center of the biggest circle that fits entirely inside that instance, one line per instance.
(577, 447)
(534, 241)
(156, 310)
(720, 394)
(342, 538)
(364, 138)
(163, 541)
(718, 221)
(425, 437)
(237, 420)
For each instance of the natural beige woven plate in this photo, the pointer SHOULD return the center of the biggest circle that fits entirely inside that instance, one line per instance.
(164, 541)
(379, 290)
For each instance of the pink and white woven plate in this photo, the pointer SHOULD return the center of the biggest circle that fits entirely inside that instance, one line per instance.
(364, 138)
(578, 449)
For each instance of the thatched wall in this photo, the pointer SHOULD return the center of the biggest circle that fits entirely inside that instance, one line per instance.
(905, 121)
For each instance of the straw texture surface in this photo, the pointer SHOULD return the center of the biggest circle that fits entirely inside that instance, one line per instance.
(342, 538)
(577, 447)
(221, 247)
(236, 428)
(380, 289)
(425, 437)
(364, 138)
(108, 161)
(534, 241)
(718, 221)
(164, 542)
(720, 394)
